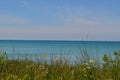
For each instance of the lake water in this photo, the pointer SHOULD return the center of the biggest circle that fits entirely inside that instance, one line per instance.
(58, 48)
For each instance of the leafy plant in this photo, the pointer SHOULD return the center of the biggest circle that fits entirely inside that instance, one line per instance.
(112, 65)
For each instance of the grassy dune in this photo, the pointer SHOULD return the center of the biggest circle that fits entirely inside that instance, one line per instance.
(59, 70)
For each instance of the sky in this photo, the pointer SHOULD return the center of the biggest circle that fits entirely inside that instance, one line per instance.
(96, 20)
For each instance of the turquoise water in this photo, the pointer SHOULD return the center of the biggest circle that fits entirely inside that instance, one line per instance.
(55, 48)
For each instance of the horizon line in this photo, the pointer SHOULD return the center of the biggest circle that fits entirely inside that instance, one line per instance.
(57, 40)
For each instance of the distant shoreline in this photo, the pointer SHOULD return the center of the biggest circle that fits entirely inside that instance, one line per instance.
(59, 40)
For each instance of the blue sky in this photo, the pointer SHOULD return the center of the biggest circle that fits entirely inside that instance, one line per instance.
(60, 19)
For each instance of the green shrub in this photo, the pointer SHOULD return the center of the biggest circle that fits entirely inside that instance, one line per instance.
(112, 66)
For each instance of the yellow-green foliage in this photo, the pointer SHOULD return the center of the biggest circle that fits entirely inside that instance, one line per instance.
(60, 70)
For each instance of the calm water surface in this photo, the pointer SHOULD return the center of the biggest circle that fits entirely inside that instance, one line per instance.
(55, 48)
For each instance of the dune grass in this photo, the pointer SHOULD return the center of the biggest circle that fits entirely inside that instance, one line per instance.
(58, 69)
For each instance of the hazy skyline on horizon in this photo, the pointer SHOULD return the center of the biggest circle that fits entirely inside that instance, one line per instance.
(60, 20)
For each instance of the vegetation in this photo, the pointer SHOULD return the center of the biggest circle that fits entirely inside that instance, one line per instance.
(60, 70)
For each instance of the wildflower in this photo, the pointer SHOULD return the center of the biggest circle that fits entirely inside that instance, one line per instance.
(91, 61)
(84, 69)
(57, 59)
(88, 67)
(85, 64)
